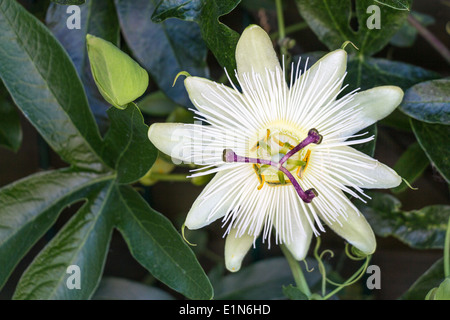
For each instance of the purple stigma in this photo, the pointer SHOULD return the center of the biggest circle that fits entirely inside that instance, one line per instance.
(313, 137)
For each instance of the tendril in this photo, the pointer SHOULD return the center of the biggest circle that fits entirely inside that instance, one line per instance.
(182, 233)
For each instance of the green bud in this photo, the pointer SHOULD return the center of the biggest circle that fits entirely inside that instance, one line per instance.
(118, 77)
(440, 293)
(160, 166)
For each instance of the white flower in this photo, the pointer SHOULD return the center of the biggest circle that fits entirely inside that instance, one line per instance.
(281, 152)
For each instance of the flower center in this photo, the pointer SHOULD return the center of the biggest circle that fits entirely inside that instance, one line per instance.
(280, 160)
(274, 146)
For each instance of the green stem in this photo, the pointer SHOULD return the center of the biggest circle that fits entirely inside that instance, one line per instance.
(297, 272)
(168, 177)
(447, 251)
(281, 30)
(290, 29)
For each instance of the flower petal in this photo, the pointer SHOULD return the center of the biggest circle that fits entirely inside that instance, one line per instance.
(373, 104)
(170, 139)
(300, 243)
(324, 79)
(293, 226)
(236, 248)
(354, 227)
(255, 53)
(192, 143)
(354, 168)
(217, 197)
(219, 104)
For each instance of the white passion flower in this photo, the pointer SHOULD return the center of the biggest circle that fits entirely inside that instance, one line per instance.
(281, 153)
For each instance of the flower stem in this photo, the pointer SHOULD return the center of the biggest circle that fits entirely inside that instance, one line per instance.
(168, 177)
(290, 29)
(297, 272)
(447, 251)
(281, 30)
(431, 38)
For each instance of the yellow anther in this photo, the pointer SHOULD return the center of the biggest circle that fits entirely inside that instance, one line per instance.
(301, 170)
(267, 135)
(262, 182)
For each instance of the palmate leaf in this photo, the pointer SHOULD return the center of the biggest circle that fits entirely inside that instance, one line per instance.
(330, 21)
(219, 38)
(44, 84)
(83, 241)
(29, 207)
(51, 89)
(99, 19)
(367, 72)
(422, 229)
(151, 241)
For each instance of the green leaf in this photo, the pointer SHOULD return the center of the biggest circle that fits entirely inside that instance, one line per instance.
(260, 281)
(164, 49)
(367, 72)
(433, 138)
(410, 166)
(99, 19)
(126, 146)
(330, 21)
(294, 293)
(428, 101)
(29, 207)
(51, 95)
(69, 2)
(219, 38)
(112, 288)
(395, 4)
(155, 243)
(83, 242)
(421, 229)
(430, 279)
(10, 128)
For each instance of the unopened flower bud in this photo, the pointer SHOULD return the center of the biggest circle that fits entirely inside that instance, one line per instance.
(118, 77)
